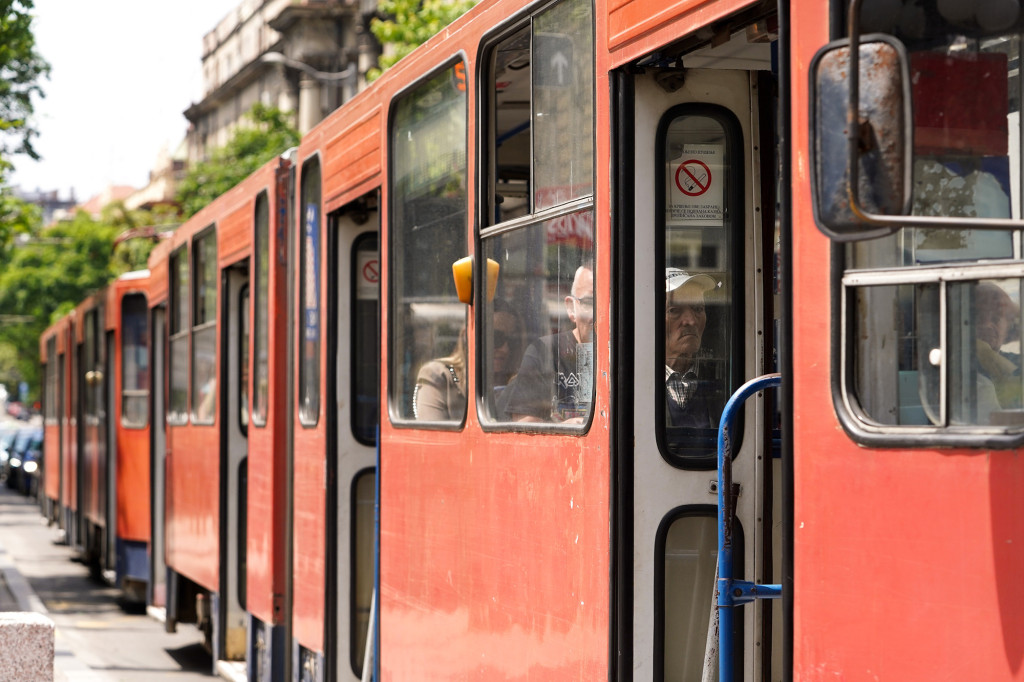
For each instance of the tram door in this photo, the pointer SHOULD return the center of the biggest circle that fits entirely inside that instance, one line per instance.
(703, 211)
(354, 287)
(158, 459)
(109, 466)
(92, 463)
(234, 465)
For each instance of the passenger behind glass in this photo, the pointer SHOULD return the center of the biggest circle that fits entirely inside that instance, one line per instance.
(690, 401)
(507, 344)
(440, 393)
(997, 325)
(555, 379)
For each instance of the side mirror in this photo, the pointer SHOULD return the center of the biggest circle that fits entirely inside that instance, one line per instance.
(861, 138)
(462, 274)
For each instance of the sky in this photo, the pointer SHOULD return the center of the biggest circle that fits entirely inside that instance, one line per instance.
(122, 73)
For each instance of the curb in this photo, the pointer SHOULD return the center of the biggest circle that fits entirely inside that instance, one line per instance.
(66, 666)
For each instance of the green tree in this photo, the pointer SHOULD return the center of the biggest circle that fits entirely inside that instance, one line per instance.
(55, 269)
(21, 69)
(409, 24)
(268, 134)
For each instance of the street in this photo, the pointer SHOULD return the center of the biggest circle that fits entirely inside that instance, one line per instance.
(96, 639)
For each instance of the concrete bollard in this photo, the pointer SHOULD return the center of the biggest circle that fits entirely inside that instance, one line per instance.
(27, 643)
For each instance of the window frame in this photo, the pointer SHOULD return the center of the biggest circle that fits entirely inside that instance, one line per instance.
(357, 348)
(486, 110)
(50, 386)
(260, 301)
(355, 555)
(309, 415)
(207, 325)
(661, 537)
(394, 416)
(139, 392)
(178, 295)
(705, 456)
(852, 418)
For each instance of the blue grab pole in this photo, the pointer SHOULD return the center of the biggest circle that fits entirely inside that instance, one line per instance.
(725, 514)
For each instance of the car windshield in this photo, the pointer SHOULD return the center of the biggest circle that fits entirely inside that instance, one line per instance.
(6, 438)
(24, 438)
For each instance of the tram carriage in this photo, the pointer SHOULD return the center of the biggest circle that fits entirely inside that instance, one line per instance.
(54, 353)
(219, 496)
(544, 508)
(96, 431)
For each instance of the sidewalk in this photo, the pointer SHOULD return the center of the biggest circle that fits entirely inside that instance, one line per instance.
(17, 595)
(97, 638)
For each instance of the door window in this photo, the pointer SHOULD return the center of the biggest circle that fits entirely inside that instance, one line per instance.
(702, 215)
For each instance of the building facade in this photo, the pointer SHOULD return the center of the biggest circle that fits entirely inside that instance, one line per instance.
(304, 56)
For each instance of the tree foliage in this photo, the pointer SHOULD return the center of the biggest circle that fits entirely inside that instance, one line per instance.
(268, 134)
(51, 270)
(21, 69)
(409, 24)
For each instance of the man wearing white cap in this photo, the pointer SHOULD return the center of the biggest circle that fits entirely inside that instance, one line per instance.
(685, 320)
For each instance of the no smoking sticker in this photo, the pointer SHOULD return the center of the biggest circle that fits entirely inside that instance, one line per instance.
(695, 188)
(693, 177)
(369, 275)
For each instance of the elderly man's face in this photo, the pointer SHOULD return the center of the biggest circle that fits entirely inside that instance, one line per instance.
(685, 320)
(580, 305)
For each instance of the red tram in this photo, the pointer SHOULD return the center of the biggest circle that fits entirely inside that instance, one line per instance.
(643, 207)
(96, 431)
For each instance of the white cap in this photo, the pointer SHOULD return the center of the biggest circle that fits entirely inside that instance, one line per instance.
(675, 278)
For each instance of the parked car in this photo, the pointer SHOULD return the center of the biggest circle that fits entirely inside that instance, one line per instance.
(24, 458)
(8, 430)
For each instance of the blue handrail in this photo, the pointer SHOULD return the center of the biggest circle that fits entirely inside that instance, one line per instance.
(733, 592)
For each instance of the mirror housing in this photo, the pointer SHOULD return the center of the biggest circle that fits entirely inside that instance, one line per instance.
(462, 275)
(861, 127)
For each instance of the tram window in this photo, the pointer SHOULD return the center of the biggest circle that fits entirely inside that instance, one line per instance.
(204, 328)
(929, 347)
(177, 404)
(365, 391)
(363, 497)
(134, 362)
(688, 544)
(90, 350)
(542, 73)
(905, 362)
(243, 355)
(427, 324)
(261, 308)
(309, 295)
(536, 335)
(563, 83)
(699, 161)
(50, 395)
(539, 346)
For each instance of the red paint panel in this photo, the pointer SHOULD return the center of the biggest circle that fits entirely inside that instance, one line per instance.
(310, 533)
(234, 234)
(495, 557)
(907, 563)
(158, 276)
(265, 542)
(193, 503)
(133, 484)
(354, 155)
(639, 20)
(51, 460)
(262, 546)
